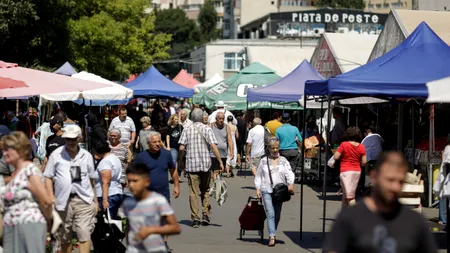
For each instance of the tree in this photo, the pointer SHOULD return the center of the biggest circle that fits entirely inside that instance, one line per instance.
(352, 4)
(185, 32)
(118, 40)
(208, 21)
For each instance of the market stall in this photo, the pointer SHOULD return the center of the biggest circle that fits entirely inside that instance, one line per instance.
(400, 73)
(184, 79)
(152, 83)
(215, 79)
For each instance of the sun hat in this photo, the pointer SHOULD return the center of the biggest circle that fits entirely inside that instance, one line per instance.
(71, 132)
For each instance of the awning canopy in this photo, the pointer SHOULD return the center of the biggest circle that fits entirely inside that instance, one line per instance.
(153, 84)
(184, 79)
(233, 90)
(439, 91)
(97, 97)
(402, 72)
(289, 89)
(66, 69)
(41, 82)
(215, 79)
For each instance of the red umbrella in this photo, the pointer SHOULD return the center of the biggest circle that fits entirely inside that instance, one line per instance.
(35, 82)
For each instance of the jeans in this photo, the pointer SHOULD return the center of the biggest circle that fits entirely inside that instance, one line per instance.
(114, 203)
(443, 210)
(273, 213)
(174, 154)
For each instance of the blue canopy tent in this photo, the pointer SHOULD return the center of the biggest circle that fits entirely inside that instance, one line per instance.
(66, 69)
(401, 73)
(288, 89)
(153, 84)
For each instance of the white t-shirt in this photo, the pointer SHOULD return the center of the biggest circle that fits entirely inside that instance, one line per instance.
(256, 138)
(110, 162)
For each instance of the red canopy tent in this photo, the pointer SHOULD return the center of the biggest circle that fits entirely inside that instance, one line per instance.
(183, 78)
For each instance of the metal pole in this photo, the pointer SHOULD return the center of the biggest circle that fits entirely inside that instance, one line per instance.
(324, 190)
(412, 136)
(321, 132)
(302, 169)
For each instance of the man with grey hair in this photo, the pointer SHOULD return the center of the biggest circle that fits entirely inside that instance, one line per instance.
(159, 162)
(197, 140)
(224, 142)
(71, 170)
(185, 121)
(255, 145)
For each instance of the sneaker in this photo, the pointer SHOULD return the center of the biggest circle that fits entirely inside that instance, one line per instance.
(196, 224)
(206, 221)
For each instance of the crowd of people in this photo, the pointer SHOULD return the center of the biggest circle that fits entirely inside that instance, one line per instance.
(125, 173)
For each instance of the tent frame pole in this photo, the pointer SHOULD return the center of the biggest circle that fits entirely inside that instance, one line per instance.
(324, 189)
(302, 168)
(320, 140)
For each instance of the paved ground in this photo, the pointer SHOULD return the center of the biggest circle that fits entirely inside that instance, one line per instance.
(222, 235)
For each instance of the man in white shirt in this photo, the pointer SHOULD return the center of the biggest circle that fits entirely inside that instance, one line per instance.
(184, 119)
(126, 126)
(221, 108)
(255, 145)
(71, 171)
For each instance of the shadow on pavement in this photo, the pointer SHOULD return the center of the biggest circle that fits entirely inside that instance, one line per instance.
(248, 187)
(441, 240)
(188, 223)
(310, 240)
(330, 197)
(244, 173)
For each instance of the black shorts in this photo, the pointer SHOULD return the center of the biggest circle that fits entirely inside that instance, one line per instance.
(215, 164)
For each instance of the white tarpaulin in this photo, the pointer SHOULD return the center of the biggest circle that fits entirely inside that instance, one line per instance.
(208, 83)
(114, 92)
(439, 91)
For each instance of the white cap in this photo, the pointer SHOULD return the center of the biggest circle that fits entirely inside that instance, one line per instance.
(220, 104)
(72, 132)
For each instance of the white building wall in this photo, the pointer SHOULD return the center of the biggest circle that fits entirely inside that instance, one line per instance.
(434, 5)
(215, 57)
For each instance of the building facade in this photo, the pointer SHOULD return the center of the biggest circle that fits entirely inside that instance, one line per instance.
(385, 6)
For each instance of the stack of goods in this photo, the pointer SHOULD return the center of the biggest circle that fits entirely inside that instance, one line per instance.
(412, 191)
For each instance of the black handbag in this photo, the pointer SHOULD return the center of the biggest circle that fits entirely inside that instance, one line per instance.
(280, 191)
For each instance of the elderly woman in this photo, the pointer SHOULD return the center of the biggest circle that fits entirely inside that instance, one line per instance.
(108, 182)
(172, 138)
(352, 155)
(27, 206)
(281, 172)
(120, 150)
(143, 133)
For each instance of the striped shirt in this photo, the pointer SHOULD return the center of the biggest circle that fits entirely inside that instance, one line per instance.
(146, 213)
(126, 128)
(197, 139)
(121, 151)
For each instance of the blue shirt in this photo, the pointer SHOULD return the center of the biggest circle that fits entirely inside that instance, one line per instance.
(158, 165)
(374, 146)
(286, 134)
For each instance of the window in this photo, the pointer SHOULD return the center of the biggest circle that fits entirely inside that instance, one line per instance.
(378, 6)
(396, 5)
(228, 10)
(386, 5)
(232, 61)
(226, 25)
(370, 6)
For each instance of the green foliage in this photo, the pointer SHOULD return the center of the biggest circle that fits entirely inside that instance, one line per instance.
(112, 38)
(207, 20)
(185, 32)
(118, 40)
(352, 4)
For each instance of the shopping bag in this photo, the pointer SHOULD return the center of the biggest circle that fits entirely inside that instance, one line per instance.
(107, 234)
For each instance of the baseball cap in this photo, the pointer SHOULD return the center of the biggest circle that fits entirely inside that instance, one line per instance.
(286, 117)
(72, 132)
(56, 120)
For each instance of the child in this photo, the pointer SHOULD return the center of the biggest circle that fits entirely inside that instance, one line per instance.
(145, 213)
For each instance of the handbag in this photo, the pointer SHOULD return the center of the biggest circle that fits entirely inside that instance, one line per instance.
(280, 191)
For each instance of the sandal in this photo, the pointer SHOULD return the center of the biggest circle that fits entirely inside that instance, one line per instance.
(272, 241)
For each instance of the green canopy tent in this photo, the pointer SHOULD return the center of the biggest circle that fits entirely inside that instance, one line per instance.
(233, 90)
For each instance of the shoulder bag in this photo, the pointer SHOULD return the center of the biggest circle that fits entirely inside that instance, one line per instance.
(280, 191)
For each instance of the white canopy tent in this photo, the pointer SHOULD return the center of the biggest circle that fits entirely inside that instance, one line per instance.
(439, 91)
(114, 92)
(208, 83)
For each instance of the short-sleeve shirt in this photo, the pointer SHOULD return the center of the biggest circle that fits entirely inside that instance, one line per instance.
(358, 229)
(351, 156)
(20, 206)
(121, 151)
(110, 162)
(273, 125)
(197, 139)
(158, 165)
(53, 142)
(71, 176)
(145, 213)
(175, 134)
(374, 146)
(256, 138)
(288, 136)
(126, 128)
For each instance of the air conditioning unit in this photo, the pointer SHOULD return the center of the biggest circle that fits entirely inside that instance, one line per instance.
(318, 31)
